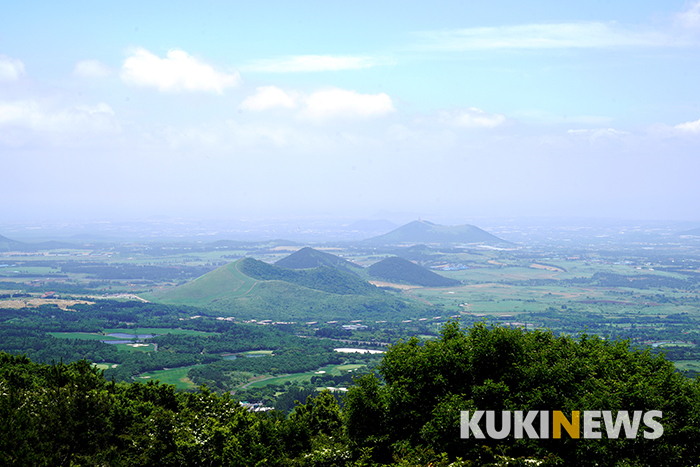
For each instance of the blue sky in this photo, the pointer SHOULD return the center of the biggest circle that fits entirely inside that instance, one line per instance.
(452, 109)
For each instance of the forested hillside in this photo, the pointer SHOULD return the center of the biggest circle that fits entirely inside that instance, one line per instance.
(71, 415)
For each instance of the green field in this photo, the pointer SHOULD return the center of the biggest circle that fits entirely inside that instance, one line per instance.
(259, 352)
(38, 270)
(688, 365)
(339, 369)
(175, 376)
(485, 292)
(135, 347)
(104, 365)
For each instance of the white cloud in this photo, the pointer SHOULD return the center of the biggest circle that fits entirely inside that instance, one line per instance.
(268, 97)
(542, 36)
(689, 126)
(344, 103)
(311, 63)
(595, 134)
(588, 120)
(61, 124)
(91, 69)
(690, 18)
(179, 71)
(321, 104)
(470, 118)
(230, 136)
(398, 132)
(100, 108)
(10, 68)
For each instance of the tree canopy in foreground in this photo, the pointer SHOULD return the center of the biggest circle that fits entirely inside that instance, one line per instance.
(70, 415)
(427, 385)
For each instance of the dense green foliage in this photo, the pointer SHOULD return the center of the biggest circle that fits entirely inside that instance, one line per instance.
(496, 368)
(71, 415)
(395, 269)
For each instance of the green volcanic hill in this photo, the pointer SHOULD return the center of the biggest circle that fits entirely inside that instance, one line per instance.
(253, 289)
(226, 282)
(324, 278)
(395, 269)
(308, 258)
(429, 233)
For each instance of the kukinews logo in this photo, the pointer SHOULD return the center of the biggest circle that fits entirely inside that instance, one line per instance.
(539, 424)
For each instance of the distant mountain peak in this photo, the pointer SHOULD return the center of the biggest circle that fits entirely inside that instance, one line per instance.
(426, 232)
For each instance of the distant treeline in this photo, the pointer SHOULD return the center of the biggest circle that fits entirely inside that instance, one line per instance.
(15, 295)
(608, 279)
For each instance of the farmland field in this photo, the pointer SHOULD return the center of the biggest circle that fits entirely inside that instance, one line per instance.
(137, 347)
(175, 376)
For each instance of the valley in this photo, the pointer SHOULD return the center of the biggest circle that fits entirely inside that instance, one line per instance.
(197, 313)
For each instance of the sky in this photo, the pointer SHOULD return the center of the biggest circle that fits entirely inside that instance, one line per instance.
(125, 110)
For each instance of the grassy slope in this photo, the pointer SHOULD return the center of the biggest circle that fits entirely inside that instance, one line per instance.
(176, 376)
(225, 283)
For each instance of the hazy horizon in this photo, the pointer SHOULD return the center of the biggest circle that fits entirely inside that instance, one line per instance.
(271, 110)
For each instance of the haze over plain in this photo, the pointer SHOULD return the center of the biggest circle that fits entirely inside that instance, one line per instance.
(274, 109)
